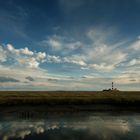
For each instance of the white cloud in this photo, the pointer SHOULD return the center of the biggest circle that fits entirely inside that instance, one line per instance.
(25, 57)
(134, 62)
(100, 34)
(88, 77)
(40, 56)
(55, 44)
(55, 59)
(2, 55)
(60, 43)
(30, 62)
(74, 45)
(22, 51)
(101, 54)
(136, 45)
(84, 68)
(128, 77)
(10, 47)
(98, 54)
(26, 51)
(75, 59)
(102, 67)
(104, 58)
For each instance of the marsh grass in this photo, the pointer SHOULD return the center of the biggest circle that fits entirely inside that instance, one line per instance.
(69, 97)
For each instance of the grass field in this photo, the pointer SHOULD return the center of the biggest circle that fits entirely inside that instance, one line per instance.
(69, 98)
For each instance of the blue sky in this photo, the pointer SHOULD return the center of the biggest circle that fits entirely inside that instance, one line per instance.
(69, 44)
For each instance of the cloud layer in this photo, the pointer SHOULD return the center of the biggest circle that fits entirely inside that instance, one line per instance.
(69, 60)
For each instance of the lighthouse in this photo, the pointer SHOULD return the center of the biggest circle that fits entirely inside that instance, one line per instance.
(112, 86)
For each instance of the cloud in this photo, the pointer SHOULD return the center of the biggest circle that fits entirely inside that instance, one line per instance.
(30, 78)
(105, 57)
(91, 127)
(25, 57)
(128, 77)
(54, 59)
(95, 54)
(98, 53)
(136, 45)
(26, 51)
(2, 54)
(55, 44)
(102, 54)
(134, 62)
(30, 62)
(102, 67)
(88, 77)
(22, 51)
(61, 43)
(52, 79)
(75, 59)
(40, 56)
(102, 35)
(133, 80)
(8, 79)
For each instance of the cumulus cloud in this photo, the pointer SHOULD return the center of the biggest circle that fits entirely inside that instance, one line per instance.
(25, 57)
(30, 62)
(22, 51)
(40, 56)
(54, 59)
(26, 51)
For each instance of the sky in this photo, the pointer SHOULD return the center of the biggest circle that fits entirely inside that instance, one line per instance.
(69, 44)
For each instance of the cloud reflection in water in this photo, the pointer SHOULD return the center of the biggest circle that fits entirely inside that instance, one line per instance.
(94, 127)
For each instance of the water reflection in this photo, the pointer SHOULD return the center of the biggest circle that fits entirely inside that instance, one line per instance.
(77, 126)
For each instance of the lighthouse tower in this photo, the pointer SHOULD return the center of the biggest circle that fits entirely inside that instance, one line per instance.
(112, 86)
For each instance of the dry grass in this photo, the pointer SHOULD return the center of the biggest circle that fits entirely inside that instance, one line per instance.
(68, 97)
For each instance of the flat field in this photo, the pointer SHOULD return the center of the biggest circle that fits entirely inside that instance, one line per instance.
(69, 98)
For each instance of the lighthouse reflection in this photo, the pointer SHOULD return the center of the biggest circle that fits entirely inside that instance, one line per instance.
(81, 126)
